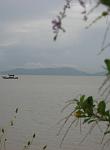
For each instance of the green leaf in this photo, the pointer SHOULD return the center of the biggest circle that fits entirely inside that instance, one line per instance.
(82, 99)
(88, 105)
(105, 2)
(90, 121)
(86, 120)
(107, 62)
(101, 108)
(90, 101)
(107, 132)
(107, 113)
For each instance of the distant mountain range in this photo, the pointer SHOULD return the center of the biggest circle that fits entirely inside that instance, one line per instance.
(51, 71)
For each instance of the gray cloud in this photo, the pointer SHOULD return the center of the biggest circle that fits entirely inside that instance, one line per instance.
(25, 9)
(26, 37)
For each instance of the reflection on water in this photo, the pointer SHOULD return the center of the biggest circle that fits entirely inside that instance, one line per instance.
(40, 100)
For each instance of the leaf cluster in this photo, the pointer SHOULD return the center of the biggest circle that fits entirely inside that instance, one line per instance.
(90, 110)
(105, 87)
(105, 2)
(86, 110)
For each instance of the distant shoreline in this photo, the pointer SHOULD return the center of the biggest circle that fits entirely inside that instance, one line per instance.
(63, 71)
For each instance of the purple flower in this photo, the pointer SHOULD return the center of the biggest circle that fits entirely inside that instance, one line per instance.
(56, 24)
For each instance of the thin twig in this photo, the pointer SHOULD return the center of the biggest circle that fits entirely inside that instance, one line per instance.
(92, 9)
(67, 132)
(105, 35)
(66, 119)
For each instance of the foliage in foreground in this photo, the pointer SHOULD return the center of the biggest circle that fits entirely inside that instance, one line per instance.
(4, 138)
(87, 108)
(57, 23)
(88, 111)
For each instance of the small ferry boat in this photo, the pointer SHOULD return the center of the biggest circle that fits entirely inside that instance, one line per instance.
(10, 76)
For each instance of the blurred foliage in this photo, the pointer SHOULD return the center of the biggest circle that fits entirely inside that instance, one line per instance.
(57, 23)
(87, 109)
(105, 2)
(4, 138)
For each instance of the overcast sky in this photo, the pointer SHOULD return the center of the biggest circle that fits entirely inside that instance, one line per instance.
(26, 37)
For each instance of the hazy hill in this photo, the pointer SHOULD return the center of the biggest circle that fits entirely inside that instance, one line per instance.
(51, 71)
(46, 71)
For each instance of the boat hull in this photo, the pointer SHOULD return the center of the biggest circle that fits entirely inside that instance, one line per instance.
(5, 77)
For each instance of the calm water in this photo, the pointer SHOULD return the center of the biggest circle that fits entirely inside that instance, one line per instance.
(40, 100)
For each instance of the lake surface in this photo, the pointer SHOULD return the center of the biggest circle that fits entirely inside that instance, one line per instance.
(40, 100)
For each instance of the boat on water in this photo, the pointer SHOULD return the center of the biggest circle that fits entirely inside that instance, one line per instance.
(10, 76)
